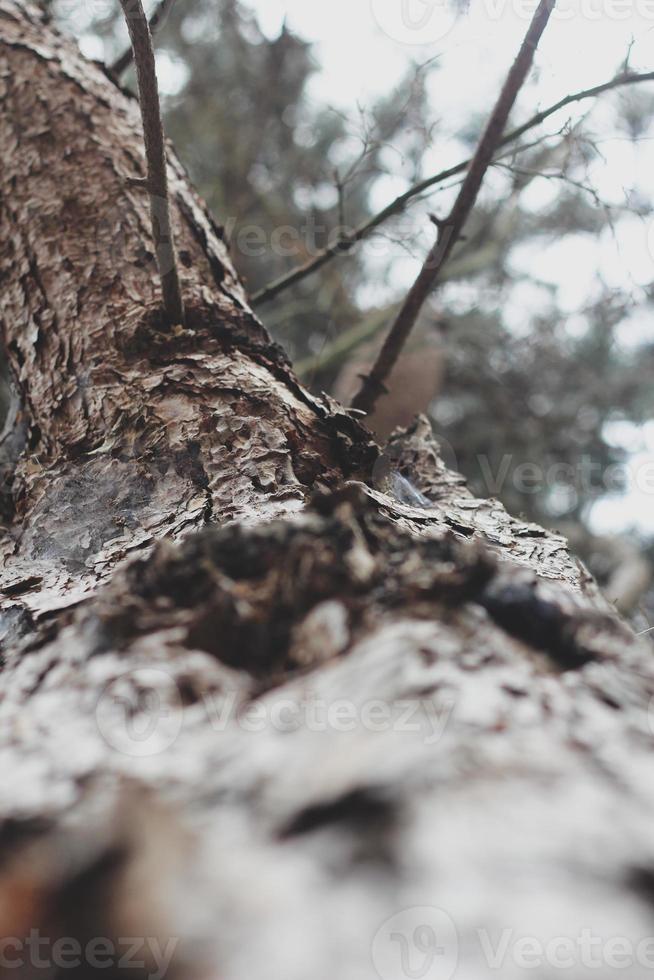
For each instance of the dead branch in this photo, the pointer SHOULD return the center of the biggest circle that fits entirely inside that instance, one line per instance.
(157, 181)
(346, 243)
(451, 228)
(122, 63)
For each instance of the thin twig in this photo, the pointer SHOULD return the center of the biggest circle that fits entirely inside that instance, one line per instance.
(157, 181)
(451, 228)
(122, 63)
(347, 242)
(484, 248)
(560, 176)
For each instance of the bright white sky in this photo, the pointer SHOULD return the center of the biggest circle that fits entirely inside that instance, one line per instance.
(364, 47)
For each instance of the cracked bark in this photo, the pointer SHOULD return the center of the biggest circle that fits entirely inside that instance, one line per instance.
(183, 522)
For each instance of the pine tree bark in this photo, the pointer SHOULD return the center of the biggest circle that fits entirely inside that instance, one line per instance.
(255, 704)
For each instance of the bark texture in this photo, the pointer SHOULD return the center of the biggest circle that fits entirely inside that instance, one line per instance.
(254, 698)
(131, 430)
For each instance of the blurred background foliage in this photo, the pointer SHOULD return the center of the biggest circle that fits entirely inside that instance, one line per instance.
(528, 405)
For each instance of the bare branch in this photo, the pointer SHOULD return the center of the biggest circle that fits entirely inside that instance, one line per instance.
(157, 181)
(450, 229)
(346, 243)
(476, 255)
(122, 63)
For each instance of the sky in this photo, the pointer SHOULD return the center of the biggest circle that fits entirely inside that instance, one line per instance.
(365, 46)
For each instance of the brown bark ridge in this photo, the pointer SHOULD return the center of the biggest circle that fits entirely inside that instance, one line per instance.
(257, 707)
(132, 430)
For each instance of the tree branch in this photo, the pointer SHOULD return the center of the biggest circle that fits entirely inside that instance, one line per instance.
(476, 256)
(122, 63)
(346, 243)
(451, 228)
(157, 181)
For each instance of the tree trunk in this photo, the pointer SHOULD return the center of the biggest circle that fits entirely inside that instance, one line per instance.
(260, 707)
